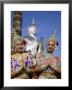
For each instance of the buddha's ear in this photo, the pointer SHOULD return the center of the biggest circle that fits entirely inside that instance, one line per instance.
(29, 30)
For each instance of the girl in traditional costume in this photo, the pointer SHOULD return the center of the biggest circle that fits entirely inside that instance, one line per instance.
(54, 69)
(18, 59)
(21, 61)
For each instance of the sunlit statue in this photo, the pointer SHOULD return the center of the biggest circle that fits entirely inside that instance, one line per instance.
(32, 42)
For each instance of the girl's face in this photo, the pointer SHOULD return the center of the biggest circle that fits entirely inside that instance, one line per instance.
(19, 46)
(51, 46)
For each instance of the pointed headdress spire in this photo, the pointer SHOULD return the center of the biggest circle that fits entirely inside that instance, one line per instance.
(33, 22)
(54, 38)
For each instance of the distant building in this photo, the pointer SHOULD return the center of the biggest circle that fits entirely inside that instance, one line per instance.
(17, 24)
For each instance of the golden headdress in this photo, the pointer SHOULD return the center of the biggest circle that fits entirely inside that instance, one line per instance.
(54, 38)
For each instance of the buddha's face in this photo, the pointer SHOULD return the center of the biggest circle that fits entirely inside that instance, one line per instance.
(50, 46)
(19, 46)
(32, 30)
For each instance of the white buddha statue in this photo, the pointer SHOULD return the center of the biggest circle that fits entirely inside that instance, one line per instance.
(32, 43)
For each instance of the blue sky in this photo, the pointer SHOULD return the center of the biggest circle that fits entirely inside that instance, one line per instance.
(46, 22)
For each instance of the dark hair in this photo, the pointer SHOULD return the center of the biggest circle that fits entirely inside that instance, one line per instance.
(24, 42)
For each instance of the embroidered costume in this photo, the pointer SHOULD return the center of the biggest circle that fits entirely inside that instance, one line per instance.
(16, 66)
